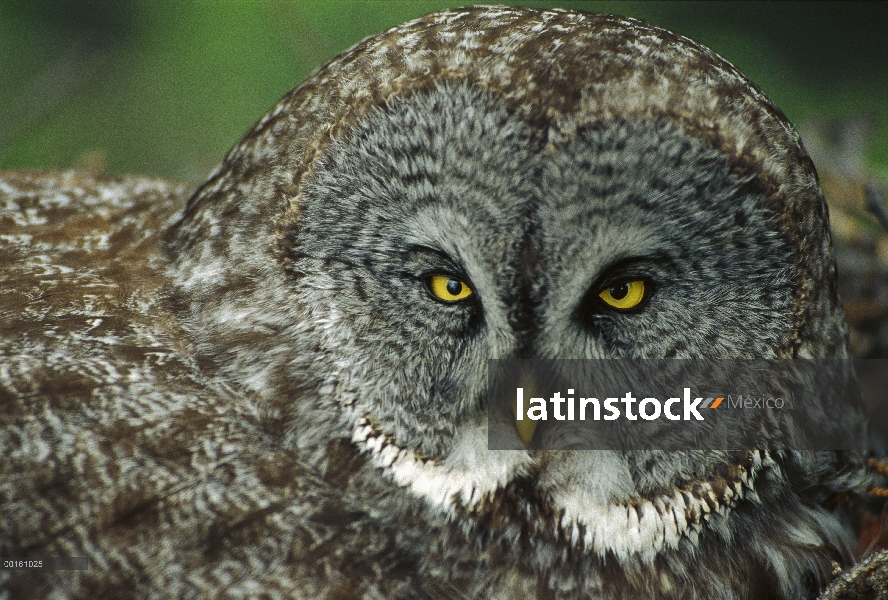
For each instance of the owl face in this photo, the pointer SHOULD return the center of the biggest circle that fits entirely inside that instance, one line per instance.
(443, 230)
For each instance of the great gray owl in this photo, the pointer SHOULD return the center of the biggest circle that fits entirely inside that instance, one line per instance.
(276, 388)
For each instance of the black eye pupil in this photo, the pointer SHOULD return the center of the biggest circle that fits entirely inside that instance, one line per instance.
(617, 292)
(454, 287)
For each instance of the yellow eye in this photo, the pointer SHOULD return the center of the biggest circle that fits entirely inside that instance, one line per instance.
(448, 289)
(624, 295)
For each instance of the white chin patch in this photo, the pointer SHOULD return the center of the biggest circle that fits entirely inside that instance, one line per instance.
(643, 526)
(469, 473)
(640, 527)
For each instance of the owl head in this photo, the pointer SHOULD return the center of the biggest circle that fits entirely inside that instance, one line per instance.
(512, 183)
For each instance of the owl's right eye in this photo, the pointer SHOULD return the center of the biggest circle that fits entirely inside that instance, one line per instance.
(448, 288)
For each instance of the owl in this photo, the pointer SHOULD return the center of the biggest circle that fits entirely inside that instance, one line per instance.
(274, 386)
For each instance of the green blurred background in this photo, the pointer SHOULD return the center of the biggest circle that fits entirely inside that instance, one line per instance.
(165, 88)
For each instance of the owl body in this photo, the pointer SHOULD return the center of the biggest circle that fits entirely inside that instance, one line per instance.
(261, 388)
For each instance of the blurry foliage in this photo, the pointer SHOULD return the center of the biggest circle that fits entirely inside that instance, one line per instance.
(165, 88)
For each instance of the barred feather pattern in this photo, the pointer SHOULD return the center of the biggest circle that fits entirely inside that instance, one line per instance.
(244, 390)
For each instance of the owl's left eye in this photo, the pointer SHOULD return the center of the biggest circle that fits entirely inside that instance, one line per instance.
(624, 294)
(448, 288)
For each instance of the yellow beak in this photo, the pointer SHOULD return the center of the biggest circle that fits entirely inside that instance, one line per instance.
(524, 424)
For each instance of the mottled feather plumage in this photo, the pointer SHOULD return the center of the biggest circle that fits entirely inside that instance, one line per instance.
(251, 393)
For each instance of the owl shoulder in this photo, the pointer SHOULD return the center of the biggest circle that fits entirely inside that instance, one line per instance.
(82, 296)
(107, 411)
